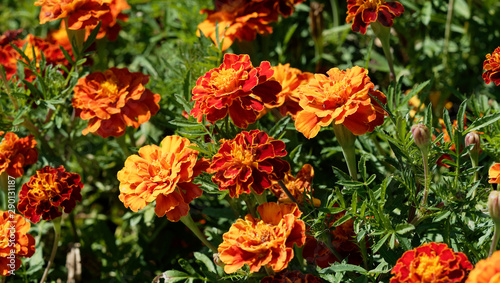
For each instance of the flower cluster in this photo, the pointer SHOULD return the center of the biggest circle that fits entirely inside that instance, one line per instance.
(492, 67)
(114, 99)
(15, 242)
(250, 161)
(341, 98)
(364, 12)
(163, 173)
(263, 242)
(432, 262)
(49, 192)
(243, 19)
(16, 153)
(236, 89)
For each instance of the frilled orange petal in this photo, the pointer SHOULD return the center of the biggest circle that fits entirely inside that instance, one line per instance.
(494, 174)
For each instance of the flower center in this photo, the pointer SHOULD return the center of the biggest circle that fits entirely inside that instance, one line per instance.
(428, 268)
(243, 156)
(158, 172)
(373, 4)
(45, 187)
(336, 94)
(226, 80)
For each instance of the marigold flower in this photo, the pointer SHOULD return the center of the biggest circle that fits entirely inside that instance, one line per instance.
(486, 270)
(79, 13)
(235, 88)
(343, 240)
(16, 153)
(492, 67)
(290, 79)
(365, 12)
(49, 192)
(14, 237)
(263, 242)
(494, 174)
(341, 98)
(297, 186)
(243, 19)
(113, 100)
(291, 277)
(249, 161)
(432, 262)
(163, 173)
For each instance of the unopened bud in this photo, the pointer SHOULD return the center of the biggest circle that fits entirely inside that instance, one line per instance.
(421, 135)
(494, 206)
(217, 260)
(473, 138)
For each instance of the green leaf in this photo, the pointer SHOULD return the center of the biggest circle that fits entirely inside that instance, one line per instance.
(461, 115)
(381, 242)
(188, 267)
(172, 276)
(206, 261)
(426, 13)
(404, 228)
(448, 124)
(279, 127)
(441, 216)
(343, 267)
(482, 122)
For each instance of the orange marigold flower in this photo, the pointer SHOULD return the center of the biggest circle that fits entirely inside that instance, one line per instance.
(486, 270)
(290, 79)
(15, 242)
(113, 100)
(263, 242)
(494, 174)
(291, 277)
(16, 153)
(235, 88)
(249, 161)
(297, 186)
(492, 67)
(49, 192)
(79, 13)
(341, 98)
(365, 12)
(432, 262)
(163, 173)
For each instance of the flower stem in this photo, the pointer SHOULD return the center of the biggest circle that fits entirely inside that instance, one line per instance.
(425, 160)
(188, 221)
(57, 233)
(346, 140)
(383, 34)
(494, 241)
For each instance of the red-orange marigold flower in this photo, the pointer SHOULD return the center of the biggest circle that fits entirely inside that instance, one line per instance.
(113, 100)
(235, 88)
(341, 98)
(494, 174)
(486, 270)
(263, 242)
(291, 277)
(492, 67)
(297, 186)
(249, 161)
(48, 192)
(163, 173)
(16, 153)
(365, 12)
(79, 13)
(432, 262)
(290, 79)
(15, 242)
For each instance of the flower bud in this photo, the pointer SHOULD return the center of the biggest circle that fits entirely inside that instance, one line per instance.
(421, 135)
(494, 206)
(217, 260)
(473, 138)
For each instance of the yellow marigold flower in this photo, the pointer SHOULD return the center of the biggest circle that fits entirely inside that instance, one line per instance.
(163, 173)
(486, 270)
(263, 242)
(15, 242)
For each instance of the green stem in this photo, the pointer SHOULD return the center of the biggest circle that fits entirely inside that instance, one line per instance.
(188, 221)
(123, 145)
(425, 160)
(57, 233)
(383, 34)
(346, 140)
(4, 186)
(235, 206)
(494, 241)
(252, 208)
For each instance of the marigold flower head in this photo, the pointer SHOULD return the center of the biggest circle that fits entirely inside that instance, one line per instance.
(235, 88)
(49, 192)
(492, 67)
(290, 79)
(163, 173)
(364, 12)
(291, 277)
(297, 186)
(113, 100)
(432, 262)
(16, 153)
(263, 242)
(79, 13)
(341, 98)
(249, 161)
(14, 237)
(494, 174)
(486, 270)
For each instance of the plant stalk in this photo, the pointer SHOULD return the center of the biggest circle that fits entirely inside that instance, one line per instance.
(57, 234)
(188, 221)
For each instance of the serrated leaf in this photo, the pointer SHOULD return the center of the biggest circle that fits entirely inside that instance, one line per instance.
(344, 267)
(342, 220)
(461, 115)
(279, 127)
(482, 122)
(404, 228)
(206, 261)
(381, 242)
(448, 124)
(441, 216)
